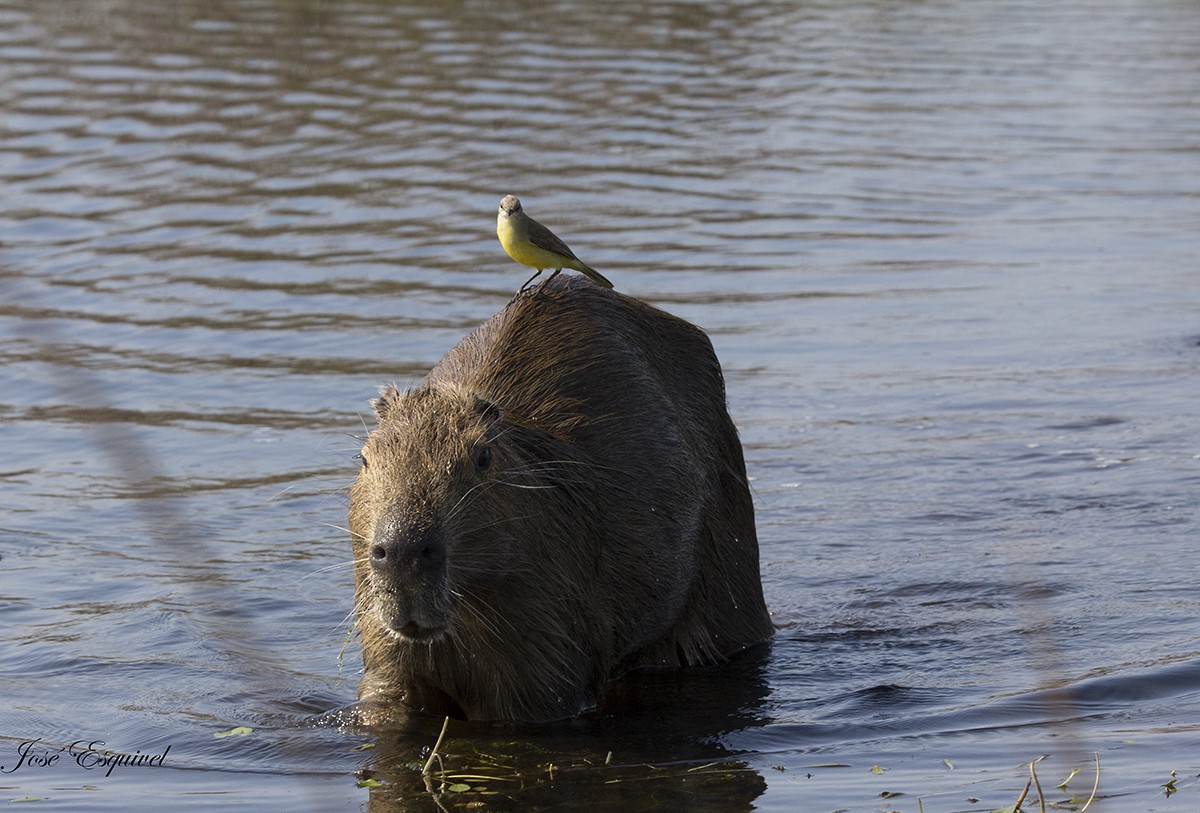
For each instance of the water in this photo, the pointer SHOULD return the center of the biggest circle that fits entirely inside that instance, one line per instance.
(946, 252)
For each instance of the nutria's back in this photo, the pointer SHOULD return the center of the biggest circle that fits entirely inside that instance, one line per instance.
(562, 499)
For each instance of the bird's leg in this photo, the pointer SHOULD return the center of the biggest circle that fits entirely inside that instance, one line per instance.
(546, 281)
(531, 279)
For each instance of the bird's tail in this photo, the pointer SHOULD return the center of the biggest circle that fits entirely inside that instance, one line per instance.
(592, 274)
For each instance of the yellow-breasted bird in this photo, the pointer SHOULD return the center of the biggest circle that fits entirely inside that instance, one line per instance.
(532, 244)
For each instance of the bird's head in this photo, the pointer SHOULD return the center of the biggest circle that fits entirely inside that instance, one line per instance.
(510, 205)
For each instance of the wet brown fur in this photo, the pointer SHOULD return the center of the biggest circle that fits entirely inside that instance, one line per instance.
(611, 528)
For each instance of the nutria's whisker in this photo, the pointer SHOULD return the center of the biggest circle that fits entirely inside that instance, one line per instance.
(488, 623)
(496, 641)
(508, 430)
(329, 569)
(481, 569)
(550, 487)
(462, 501)
(467, 632)
(589, 464)
(278, 494)
(350, 617)
(353, 534)
(495, 522)
(557, 473)
(543, 469)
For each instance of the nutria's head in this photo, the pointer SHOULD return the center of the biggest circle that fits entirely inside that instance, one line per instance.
(476, 591)
(420, 508)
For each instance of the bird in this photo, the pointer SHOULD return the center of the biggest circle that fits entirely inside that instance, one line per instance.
(532, 244)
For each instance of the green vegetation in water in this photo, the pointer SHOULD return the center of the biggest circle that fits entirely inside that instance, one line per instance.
(341, 658)
(239, 731)
(1036, 784)
(463, 773)
(1170, 788)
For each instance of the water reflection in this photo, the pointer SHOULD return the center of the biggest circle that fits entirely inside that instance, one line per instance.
(656, 744)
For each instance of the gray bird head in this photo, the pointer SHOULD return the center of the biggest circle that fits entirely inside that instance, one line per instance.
(510, 204)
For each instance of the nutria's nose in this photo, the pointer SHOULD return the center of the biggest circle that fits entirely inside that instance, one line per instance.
(400, 549)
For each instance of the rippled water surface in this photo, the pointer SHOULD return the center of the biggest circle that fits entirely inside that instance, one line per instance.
(946, 251)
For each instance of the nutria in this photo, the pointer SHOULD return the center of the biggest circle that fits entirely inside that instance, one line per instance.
(562, 499)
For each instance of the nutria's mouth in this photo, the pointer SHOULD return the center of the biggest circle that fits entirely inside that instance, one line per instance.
(411, 614)
(412, 631)
(404, 627)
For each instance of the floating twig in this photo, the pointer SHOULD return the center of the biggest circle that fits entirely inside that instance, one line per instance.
(1095, 786)
(1021, 799)
(1037, 784)
(433, 754)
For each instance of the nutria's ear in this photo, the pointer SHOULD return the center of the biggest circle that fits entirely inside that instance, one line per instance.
(389, 396)
(487, 409)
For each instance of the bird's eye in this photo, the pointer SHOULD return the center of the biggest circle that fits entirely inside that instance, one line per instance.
(483, 457)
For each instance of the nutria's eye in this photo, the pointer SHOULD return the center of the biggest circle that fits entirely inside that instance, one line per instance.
(362, 459)
(483, 457)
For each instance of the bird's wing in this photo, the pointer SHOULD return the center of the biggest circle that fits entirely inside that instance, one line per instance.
(547, 240)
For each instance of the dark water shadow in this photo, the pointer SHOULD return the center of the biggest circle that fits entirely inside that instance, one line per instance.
(658, 743)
